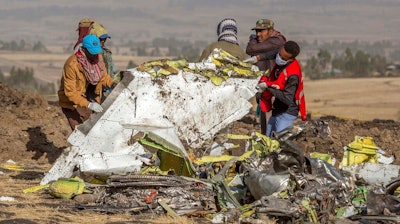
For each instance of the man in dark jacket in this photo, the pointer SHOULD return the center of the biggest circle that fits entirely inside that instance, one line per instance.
(265, 40)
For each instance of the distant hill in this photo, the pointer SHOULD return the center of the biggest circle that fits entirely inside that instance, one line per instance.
(55, 22)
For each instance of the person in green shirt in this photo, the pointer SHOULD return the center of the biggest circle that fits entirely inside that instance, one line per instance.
(99, 30)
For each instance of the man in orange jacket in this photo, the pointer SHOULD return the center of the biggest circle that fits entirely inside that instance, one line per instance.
(83, 78)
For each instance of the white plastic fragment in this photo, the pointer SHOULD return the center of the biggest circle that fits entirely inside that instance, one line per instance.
(350, 211)
(10, 161)
(6, 198)
(107, 163)
(374, 173)
(384, 159)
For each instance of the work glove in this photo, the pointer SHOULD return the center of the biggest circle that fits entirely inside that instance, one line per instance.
(262, 85)
(118, 77)
(95, 107)
(251, 60)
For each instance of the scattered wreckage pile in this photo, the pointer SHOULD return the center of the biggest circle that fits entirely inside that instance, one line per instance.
(158, 148)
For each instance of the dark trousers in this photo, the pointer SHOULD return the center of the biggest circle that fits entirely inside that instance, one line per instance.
(77, 116)
(263, 123)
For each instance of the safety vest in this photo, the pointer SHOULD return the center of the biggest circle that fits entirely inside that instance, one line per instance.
(293, 69)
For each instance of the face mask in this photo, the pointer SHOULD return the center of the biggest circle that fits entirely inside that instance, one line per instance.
(279, 61)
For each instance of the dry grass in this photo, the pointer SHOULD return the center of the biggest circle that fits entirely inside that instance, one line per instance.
(40, 207)
(362, 99)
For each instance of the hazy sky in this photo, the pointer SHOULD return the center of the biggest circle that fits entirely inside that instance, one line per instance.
(343, 20)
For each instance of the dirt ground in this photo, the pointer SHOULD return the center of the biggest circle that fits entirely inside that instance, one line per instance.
(34, 132)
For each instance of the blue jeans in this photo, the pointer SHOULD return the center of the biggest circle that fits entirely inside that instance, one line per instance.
(280, 122)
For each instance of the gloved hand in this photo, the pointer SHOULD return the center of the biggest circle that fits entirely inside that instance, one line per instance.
(251, 60)
(117, 78)
(252, 36)
(262, 85)
(95, 107)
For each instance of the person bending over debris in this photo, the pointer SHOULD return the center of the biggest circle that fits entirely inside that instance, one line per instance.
(99, 30)
(227, 40)
(83, 77)
(265, 40)
(289, 100)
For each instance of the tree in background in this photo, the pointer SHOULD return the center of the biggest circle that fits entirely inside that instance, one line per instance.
(21, 77)
(141, 51)
(395, 55)
(339, 62)
(379, 64)
(190, 53)
(311, 69)
(346, 64)
(173, 51)
(362, 65)
(324, 59)
(131, 64)
(24, 79)
(319, 67)
(155, 52)
(39, 47)
(2, 78)
(23, 46)
(348, 60)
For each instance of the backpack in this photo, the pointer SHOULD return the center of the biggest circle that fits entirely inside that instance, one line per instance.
(84, 27)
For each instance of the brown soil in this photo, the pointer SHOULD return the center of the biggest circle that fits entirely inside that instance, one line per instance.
(34, 132)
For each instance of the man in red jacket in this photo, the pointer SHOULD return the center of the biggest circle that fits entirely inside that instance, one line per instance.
(289, 100)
